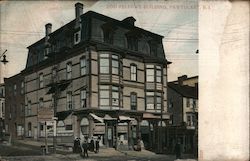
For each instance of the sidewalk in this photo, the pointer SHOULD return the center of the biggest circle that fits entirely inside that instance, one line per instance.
(104, 152)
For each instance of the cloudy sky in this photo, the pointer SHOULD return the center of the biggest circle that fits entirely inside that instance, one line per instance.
(22, 24)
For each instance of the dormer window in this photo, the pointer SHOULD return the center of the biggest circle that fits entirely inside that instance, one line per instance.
(77, 37)
(132, 42)
(108, 32)
(108, 36)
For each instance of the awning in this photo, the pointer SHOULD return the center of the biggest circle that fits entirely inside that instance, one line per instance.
(108, 118)
(152, 116)
(97, 118)
(125, 118)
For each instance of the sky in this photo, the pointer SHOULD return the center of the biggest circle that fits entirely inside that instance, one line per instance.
(22, 24)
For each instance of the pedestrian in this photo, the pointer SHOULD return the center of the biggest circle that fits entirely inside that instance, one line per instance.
(97, 144)
(85, 148)
(178, 149)
(92, 145)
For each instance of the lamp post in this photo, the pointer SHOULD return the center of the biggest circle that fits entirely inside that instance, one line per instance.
(4, 61)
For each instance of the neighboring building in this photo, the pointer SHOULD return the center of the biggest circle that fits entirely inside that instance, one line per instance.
(184, 80)
(183, 107)
(103, 77)
(14, 106)
(2, 109)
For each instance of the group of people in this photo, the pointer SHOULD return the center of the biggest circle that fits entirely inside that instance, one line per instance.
(86, 145)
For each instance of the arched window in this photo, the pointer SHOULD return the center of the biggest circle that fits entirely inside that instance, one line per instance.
(84, 126)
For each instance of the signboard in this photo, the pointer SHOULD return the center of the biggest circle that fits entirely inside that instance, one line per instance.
(45, 114)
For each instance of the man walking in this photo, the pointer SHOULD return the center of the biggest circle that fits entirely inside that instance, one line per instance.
(85, 148)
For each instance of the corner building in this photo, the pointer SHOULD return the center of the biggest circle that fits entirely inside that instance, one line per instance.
(100, 77)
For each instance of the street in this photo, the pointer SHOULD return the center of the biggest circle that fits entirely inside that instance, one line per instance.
(25, 153)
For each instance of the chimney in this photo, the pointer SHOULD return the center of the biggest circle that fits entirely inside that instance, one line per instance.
(78, 10)
(48, 29)
(181, 79)
(130, 20)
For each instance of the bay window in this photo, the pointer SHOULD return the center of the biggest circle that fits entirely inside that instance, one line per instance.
(109, 95)
(107, 62)
(150, 73)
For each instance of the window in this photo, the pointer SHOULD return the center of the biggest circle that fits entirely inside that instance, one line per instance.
(132, 42)
(104, 63)
(29, 129)
(68, 127)
(190, 120)
(77, 37)
(104, 95)
(188, 102)
(133, 72)
(83, 66)
(41, 80)
(22, 87)
(158, 101)
(194, 103)
(69, 70)
(15, 87)
(54, 74)
(22, 109)
(69, 101)
(115, 96)
(108, 36)
(115, 64)
(133, 101)
(29, 108)
(83, 98)
(153, 48)
(149, 100)
(150, 73)
(41, 103)
(158, 74)
(109, 96)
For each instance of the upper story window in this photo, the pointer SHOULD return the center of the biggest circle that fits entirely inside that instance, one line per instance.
(77, 37)
(153, 48)
(115, 96)
(83, 98)
(69, 102)
(104, 94)
(158, 101)
(133, 101)
(190, 120)
(150, 74)
(41, 80)
(22, 87)
(15, 88)
(115, 64)
(108, 35)
(133, 72)
(194, 103)
(69, 70)
(29, 108)
(109, 64)
(41, 103)
(153, 101)
(109, 96)
(154, 73)
(83, 66)
(104, 63)
(54, 73)
(132, 42)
